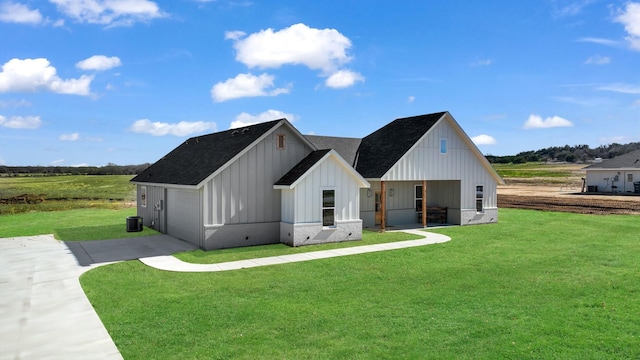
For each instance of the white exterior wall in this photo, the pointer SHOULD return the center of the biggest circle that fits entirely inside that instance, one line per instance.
(152, 214)
(243, 192)
(302, 207)
(604, 179)
(425, 162)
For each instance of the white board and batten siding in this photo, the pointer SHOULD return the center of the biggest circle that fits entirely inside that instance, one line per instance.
(303, 204)
(241, 198)
(426, 162)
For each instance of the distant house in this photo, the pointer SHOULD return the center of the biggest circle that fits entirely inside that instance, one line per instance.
(617, 175)
(267, 183)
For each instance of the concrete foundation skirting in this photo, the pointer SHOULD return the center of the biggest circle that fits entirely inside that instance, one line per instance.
(315, 233)
(471, 217)
(237, 235)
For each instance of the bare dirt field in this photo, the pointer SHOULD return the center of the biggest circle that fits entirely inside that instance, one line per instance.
(564, 197)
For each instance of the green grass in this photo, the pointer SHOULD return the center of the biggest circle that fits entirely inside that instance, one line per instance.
(533, 170)
(66, 192)
(71, 225)
(253, 252)
(535, 285)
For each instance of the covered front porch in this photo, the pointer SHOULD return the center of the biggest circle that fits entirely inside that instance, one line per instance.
(426, 203)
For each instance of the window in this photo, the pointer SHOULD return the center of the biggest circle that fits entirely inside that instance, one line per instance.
(143, 196)
(479, 198)
(443, 146)
(629, 177)
(328, 207)
(418, 201)
(280, 142)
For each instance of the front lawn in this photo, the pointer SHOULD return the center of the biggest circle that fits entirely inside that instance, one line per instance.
(535, 285)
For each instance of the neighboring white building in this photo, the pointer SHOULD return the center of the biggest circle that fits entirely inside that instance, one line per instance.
(267, 183)
(620, 174)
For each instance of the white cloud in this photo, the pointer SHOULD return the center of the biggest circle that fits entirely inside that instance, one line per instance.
(246, 119)
(110, 12)
(18, 13)
(234, 35)
(245, 85)
(57, 162)
(569, 8)
(183, 128)
(31, 75)
(483, 62)
(21, 122)
(411, 99)
(318, 49)
(536, 122)
(99, 63)
(630, 18)
(598, 60)
(600, 41)
(342, 79)
(621, 88)
(14, 103)
(484, 139)
(69, 137)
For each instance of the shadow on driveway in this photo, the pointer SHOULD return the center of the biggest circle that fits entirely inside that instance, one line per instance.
(101, 251)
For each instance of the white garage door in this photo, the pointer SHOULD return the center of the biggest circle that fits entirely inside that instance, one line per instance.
(183, 214)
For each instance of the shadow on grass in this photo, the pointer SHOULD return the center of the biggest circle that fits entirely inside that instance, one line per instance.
(100, 232)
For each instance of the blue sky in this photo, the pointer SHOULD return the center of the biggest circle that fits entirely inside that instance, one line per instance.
(91, 82)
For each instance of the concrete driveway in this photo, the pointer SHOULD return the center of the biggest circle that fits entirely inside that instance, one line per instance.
(44, 313)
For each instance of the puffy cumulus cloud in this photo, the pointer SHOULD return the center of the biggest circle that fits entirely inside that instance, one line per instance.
(343, 78)
(18, 13)
(110, 12)
(69, 137)
(598, 60)
(630, 18)
(536, 122)
(21, 122)
(246, 119)
(319, 49)
(183, 128)
(245, 85)
(484, 139)
(99, 63)
(31, 75)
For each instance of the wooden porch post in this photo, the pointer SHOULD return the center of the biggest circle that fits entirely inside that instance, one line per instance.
(383, 205)
(424, 203)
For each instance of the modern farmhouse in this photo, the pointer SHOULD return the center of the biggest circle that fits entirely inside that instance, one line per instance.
(620, 174)
(268, 183)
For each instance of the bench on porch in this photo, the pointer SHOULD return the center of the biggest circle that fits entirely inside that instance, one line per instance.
(434, 214)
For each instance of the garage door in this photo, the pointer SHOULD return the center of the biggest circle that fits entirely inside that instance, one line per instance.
(183, 214)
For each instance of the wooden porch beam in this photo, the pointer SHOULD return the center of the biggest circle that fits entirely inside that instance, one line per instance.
(383, 205)
(424, 203)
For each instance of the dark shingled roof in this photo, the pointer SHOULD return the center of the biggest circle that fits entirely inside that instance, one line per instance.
(380, 150)
(628, 160)
(346, 147)
(198, 157)
(302, 167)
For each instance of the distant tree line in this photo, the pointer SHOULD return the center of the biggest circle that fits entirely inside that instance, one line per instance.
(572, 154)
(109, 169)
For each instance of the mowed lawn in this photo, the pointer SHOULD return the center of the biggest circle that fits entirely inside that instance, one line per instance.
(536, 285)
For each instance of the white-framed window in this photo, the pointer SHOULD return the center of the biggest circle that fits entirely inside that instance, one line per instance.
(443, 146)
(143, 196)
(280, 141)
(479, 198)
(328, 207)
(418, 198)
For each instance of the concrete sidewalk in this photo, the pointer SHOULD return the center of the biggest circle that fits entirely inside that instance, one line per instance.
(44, 313)
(171, 263)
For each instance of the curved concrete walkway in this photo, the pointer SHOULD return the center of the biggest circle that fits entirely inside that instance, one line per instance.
(44, 313)
(170, 263)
